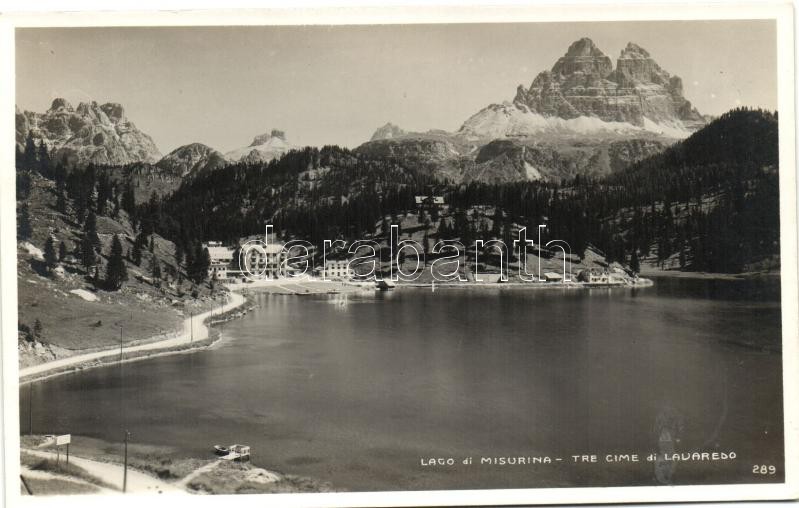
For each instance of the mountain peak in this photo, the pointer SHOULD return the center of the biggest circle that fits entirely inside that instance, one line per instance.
(114, 111)
(191, 159)
(87, 134)
(585, 59)
(59, 103)
(583, 83)
(583, 47)
(388, 131)
(263, 138)
(263, 148)
(633, 50)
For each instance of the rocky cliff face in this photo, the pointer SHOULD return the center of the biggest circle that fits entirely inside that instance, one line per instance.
(263, 148)
(188, 160)
(91, 133)
(584, 83)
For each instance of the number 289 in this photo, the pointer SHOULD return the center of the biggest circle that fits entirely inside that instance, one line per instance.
(764, 469)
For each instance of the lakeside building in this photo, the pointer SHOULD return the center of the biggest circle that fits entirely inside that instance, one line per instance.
(338, 269)
(594, 276)
(221, 260)
(553, 277)
(261, 261)
(429, 200)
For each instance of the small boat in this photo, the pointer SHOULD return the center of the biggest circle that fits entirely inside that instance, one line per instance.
(384, 285)
(221, 450)
(238, 453)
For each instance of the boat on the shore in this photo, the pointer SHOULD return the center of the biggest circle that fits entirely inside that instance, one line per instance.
(236, 452)
(384, 285)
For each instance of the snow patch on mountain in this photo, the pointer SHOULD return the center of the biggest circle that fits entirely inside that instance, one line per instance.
(512, 120)
(263, 148)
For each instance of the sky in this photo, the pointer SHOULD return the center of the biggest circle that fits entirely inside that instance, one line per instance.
(222, 86)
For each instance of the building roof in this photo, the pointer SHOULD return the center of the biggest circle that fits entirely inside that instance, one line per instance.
(270, 248)
(215, 252)
(433, 200)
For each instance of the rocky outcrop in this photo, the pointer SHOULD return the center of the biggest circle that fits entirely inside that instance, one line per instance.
(388, 131)
(91, 133)
(508, 160)
(188, 160)
(584, 83)
(435, 152)
(263, 148)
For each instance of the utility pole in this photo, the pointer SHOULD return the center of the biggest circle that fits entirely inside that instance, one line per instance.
(191, 325)
(120, 344)
(30, 408)
(125, 474)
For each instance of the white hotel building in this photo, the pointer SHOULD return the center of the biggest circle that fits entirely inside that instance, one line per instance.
(260, 261)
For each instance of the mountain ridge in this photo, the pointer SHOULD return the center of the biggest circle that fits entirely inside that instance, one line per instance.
(582, 116)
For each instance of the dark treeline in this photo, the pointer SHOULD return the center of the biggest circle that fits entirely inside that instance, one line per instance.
(312, 194)
(709, 203)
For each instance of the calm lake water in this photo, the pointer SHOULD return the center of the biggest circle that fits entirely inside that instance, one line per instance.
(358, 390)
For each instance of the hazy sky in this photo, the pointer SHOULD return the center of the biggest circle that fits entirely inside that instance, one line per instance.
(324, 85)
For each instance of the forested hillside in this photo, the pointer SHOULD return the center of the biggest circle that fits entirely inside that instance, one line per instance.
(708, 203)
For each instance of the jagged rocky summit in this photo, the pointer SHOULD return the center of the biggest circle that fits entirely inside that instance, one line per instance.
(388, 131)
(263, 148)
(91, 133)
(583, 92)
(581, 117)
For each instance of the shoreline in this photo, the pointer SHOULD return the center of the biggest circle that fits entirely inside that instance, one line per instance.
(240, 294)
(174, 474)
(195, 336)
(678, 274)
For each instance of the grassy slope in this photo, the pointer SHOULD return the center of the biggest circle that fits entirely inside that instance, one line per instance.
(73, 323)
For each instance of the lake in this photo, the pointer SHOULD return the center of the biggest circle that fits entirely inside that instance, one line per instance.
(361, 390)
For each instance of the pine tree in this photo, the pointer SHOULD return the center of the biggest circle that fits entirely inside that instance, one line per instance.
(24, 228)
(116, 272)
(37, 328)
(155, 268)
(90, 230)
(29, 160)
(62, 251)
(203, 264)
(23, 184)
(128, 202)
(197, 267)
(50, 255)
(179, 253)
(61, 198)
(87, 256)
(635, 264)
(43, 160)
(137, 245)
